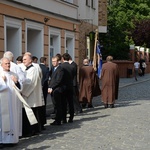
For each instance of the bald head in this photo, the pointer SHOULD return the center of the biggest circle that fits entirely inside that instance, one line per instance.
(9, 55)
(85, 62)
(109, 59)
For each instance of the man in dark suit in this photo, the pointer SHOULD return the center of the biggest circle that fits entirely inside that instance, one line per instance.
(50, 74)
(68, 94)
(45, 76)
(56, 88)
(77, 107)
(44, 82)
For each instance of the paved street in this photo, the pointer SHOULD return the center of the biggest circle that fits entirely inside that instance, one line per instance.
(125, 127)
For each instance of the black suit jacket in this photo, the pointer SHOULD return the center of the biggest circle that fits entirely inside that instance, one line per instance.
(45, 73)
(57, 79)
(75, 67)
(68, 74)
(52, 70)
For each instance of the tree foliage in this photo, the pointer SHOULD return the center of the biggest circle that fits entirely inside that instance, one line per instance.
(123, 18)
(141, 33)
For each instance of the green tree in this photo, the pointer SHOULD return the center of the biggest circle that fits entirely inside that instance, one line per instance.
(141, 33)
(122, 18)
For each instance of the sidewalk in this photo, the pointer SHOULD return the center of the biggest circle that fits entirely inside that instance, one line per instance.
(123, 82)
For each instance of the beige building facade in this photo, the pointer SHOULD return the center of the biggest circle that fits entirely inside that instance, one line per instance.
(48, 27)
(26, 27)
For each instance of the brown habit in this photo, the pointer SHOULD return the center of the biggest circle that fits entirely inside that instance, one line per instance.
(89, 85)
(110, 82)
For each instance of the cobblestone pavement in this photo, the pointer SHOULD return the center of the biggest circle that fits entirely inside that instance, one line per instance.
(125, 127)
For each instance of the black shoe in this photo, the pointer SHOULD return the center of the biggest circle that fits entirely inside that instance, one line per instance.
(90, 106)
(55, 123)
(106, 105)
(111, 105)
(1, 146)
(64, 121)
(53, 113)
(9, 145)
(81, 111)
(83, 105)
(43, 128)
(47, 115)
(70, 120)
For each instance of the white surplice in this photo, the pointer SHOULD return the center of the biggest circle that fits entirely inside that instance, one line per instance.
(32, 89)
(9, 125)
(21, 78)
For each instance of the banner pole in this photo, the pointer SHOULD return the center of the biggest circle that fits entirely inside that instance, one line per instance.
(94, 57)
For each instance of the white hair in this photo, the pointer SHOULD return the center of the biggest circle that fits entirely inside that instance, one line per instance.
(9, 55)
(2, 59)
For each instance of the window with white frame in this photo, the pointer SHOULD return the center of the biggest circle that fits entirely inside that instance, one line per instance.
(55, 45)
(69, 1)
(13, 36)
(88, 47)
(69, 43)
(87, 2)
(93, 4)
(34, 38)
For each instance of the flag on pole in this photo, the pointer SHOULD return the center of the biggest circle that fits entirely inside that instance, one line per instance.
(99, 54)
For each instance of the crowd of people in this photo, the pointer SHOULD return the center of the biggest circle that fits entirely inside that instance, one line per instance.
(24, 86)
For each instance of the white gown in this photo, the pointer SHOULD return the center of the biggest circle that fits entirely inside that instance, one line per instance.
(9, 121)
(21, 78)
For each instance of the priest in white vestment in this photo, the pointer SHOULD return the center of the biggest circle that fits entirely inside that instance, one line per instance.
(32, 93)
(9, 127)
(21, 77)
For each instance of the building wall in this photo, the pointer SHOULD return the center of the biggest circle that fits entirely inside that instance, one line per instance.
(85, 28)
(102, 16)
(102, 12)
(55, 6)
(88, 16)
(88, 13)
(77, 18)
(37, 18)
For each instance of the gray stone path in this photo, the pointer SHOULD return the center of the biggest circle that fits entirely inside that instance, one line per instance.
(125, 127)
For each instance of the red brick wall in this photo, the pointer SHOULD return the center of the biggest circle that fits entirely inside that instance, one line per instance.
(124, 65)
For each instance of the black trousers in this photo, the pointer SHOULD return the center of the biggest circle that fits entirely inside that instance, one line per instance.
(45, 92)
(27, 129)
(77, 106)
(143, 71)
(43, 108)
(57, 97)
(68, 99)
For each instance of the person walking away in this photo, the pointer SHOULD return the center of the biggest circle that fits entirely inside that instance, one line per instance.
(110, 82)
(142, 66)
(88, 84)
(136, 69)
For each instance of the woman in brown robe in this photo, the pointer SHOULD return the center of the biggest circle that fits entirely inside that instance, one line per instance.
(88, 84)
(110, 82)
